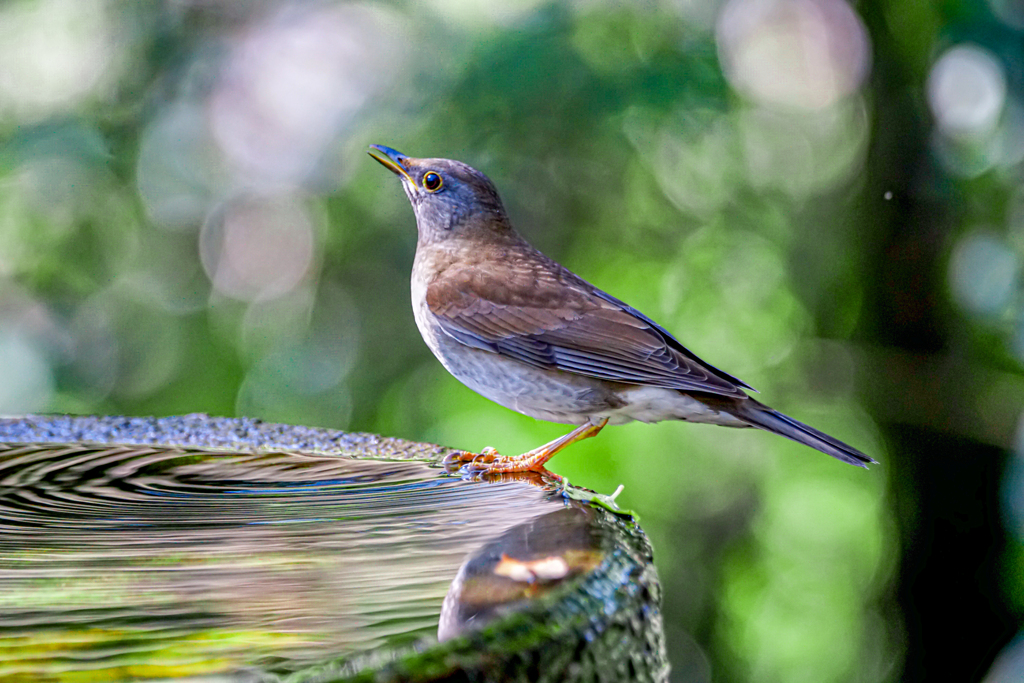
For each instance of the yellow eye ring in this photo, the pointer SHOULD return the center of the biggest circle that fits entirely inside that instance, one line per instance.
(432, 182)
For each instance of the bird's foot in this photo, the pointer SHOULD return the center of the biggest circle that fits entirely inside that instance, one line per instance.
(489, 463)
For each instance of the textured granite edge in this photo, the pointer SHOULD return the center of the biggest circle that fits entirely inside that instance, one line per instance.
(199, 430)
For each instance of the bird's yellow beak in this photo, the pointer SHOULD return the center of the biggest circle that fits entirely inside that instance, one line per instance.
(391, 159)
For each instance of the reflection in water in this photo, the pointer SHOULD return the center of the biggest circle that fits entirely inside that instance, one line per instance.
(150, 562)
(522, 564)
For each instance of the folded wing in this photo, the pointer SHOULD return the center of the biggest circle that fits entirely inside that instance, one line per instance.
(543, 315)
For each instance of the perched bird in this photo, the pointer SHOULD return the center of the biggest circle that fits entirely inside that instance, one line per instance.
(527, 333)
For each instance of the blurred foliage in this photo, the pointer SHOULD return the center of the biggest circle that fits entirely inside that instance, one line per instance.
(822, 199)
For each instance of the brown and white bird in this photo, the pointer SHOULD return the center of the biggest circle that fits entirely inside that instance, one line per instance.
(527, 333)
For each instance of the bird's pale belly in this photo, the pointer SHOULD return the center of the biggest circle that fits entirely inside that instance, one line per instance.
(542, 394)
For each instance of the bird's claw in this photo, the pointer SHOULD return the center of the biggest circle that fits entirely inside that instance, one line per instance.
(469, 465)
(468, 462)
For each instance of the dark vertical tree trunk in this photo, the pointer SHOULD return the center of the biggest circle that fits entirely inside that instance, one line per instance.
(945, 485)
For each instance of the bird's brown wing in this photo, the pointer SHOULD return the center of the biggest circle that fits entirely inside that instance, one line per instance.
(541, 314)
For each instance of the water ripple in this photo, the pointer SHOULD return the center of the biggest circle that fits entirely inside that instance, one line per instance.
(149, 562)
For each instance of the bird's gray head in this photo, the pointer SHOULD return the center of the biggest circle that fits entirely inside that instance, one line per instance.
(450, 198)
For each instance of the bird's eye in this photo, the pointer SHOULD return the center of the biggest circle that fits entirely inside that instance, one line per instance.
(431, 182)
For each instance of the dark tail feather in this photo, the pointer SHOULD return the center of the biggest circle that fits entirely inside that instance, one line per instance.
(760, 415)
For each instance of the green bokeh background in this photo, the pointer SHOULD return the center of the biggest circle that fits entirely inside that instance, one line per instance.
(770, 181)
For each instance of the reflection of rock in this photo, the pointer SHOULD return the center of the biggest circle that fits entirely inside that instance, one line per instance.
(520, 566)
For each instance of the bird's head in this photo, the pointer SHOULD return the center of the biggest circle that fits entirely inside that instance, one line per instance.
(450, 198)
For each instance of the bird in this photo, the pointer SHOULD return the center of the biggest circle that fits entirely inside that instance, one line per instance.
(529, 334)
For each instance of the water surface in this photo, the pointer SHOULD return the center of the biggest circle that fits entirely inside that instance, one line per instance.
(146, 561)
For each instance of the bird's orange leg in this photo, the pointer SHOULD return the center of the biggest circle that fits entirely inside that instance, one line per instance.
(489, 461)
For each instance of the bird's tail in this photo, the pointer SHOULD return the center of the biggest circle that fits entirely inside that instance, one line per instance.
(760, 415)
